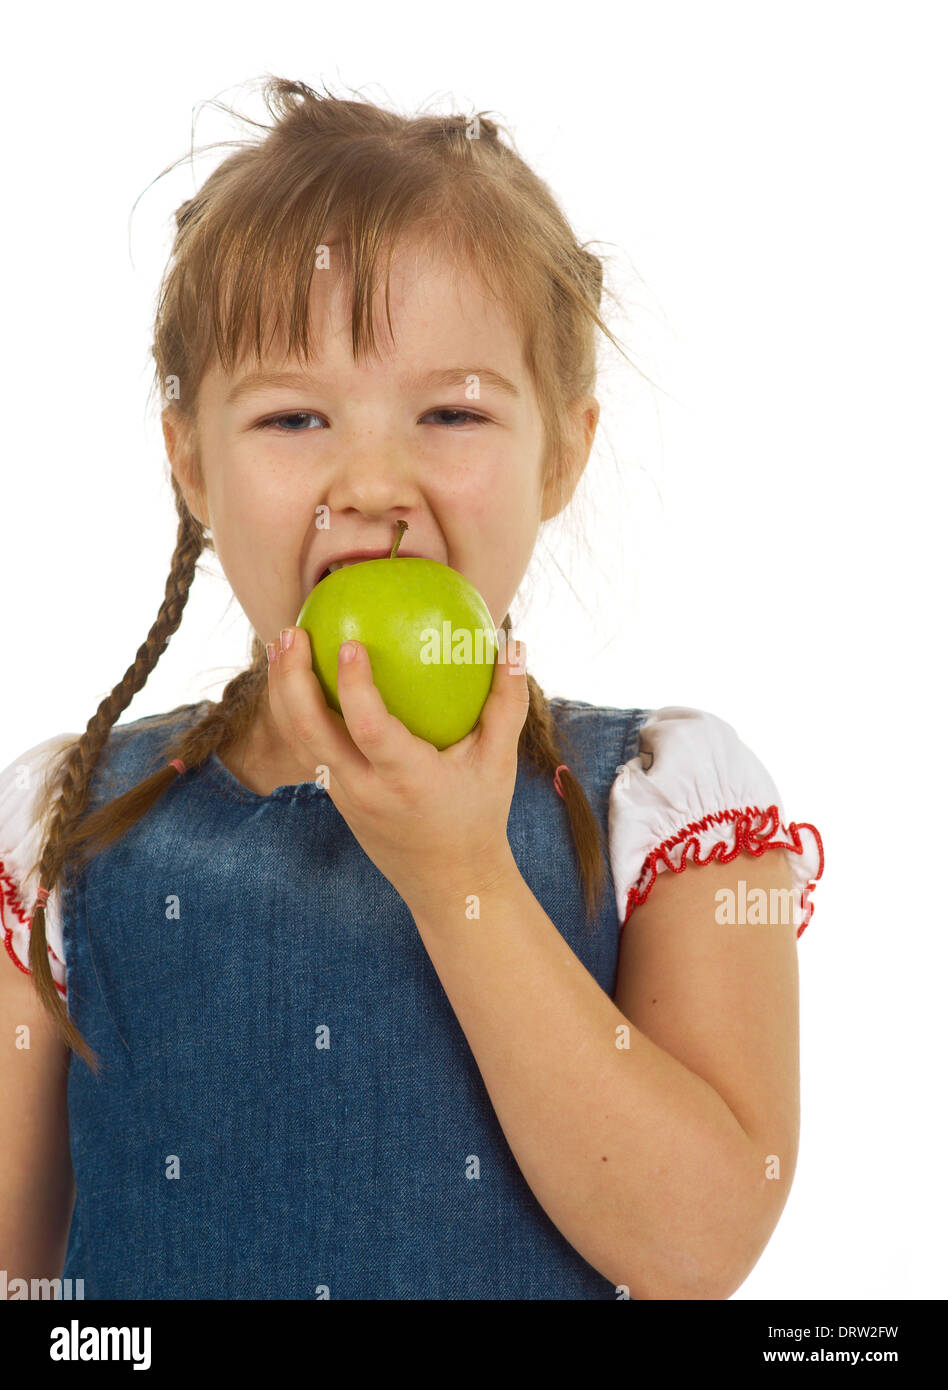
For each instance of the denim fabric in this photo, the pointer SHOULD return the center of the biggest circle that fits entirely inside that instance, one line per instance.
(225, 1152)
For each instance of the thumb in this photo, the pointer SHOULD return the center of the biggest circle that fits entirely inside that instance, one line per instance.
(508, 703)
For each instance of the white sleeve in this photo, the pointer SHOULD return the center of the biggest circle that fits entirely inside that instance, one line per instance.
(695, 793)
(21, 788)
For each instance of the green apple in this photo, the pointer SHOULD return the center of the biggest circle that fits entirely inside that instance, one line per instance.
(429, 635)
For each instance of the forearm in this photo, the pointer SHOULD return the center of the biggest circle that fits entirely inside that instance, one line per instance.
(638, 1161)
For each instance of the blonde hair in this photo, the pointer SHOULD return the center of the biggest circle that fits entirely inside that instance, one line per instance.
(246, 240)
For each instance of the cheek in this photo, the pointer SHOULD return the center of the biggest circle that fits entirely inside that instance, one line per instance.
(490, 542)
(261, 490)
(255, 547)
(259, 523)
(488, 509)
(485, 486)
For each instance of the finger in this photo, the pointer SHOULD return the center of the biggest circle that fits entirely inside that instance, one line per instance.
(316, 732)
(508, 701)
(384, 740)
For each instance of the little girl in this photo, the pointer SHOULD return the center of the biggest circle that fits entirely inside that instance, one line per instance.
(295, 1004)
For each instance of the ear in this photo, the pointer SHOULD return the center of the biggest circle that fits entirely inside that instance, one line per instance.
(584, 417)
(182, 455)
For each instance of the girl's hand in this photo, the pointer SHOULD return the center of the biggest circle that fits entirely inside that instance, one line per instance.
(433, 822)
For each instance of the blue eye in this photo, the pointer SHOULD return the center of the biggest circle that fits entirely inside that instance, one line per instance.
(465, 414)
(462, 417)
(293, 415)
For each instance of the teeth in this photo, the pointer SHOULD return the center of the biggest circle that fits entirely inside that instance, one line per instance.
(338, 565)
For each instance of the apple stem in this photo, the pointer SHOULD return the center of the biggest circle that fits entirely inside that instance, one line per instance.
(402, 528)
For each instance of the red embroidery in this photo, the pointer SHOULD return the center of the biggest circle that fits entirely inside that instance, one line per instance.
(10, 897)
(754, 832)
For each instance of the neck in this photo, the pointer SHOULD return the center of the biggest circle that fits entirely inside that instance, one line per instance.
(261, 759)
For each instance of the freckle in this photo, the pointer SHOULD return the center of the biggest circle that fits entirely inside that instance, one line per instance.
(604, 1159)
(654, 1001)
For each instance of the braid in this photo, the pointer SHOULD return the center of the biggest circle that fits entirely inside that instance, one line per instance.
(71, 838)
(75, 766)
(540, 743)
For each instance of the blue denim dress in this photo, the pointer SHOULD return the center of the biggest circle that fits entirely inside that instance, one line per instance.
(288, 1107)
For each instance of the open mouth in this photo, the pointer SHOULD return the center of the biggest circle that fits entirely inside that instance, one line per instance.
(360, 560)
(342, 564)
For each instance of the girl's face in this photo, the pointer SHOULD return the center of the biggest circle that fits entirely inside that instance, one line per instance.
(369, 445)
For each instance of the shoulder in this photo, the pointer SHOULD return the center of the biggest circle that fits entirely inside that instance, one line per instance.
(23, 784)
(692, 793)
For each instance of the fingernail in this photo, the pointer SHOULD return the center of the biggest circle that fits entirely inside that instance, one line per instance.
(271, 652)
(348, 651)
(286, 638)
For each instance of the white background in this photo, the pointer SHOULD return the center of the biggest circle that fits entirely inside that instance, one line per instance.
(758, 534)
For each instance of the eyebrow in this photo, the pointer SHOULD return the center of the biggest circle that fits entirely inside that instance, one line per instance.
(441, 376)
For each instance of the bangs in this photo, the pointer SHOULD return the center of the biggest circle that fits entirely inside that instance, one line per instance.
(258, 286)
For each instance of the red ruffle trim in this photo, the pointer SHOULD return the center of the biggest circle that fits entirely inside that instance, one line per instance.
(10, 898)
(754, 832)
